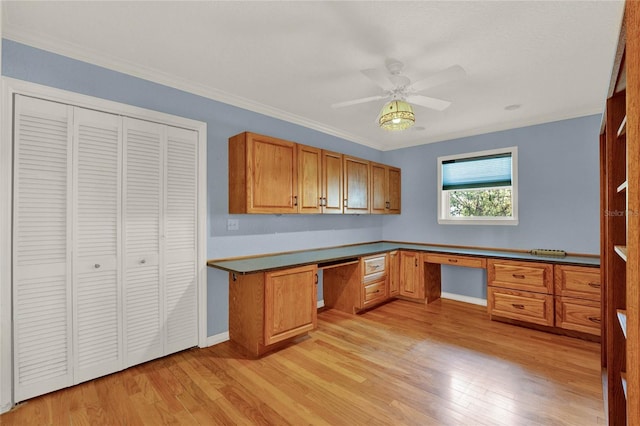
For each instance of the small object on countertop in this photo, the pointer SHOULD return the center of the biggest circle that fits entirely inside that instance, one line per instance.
(548, 252)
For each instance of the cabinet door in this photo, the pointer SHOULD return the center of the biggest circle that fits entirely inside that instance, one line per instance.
(97, 336)
(142, 209)
(309, 179)
(356, 185)
(332, 182)
(394, 273)
(272, 175)
(378, 191)
(394, 187)
(181, 223)
(290, 303)
(411, 280)
(42, 331)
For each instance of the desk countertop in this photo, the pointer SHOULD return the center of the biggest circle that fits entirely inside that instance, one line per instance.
(270, 262)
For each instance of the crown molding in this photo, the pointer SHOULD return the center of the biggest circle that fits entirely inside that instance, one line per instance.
(475, 131)
(93, 57)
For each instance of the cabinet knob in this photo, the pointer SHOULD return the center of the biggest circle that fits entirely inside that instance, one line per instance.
(97, 266)
(143, 261)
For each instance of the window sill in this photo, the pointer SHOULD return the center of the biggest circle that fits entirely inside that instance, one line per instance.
(477, 221)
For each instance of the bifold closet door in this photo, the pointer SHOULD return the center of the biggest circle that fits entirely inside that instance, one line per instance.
(96, 254)
(181, 218)
(42, 298)
(143, 177)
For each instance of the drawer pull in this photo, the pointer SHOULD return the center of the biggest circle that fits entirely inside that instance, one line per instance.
(518, 276)
(453, 260)
(377, 291)
(594, 285)
(517, 306)
(594, 319)
(374, 266)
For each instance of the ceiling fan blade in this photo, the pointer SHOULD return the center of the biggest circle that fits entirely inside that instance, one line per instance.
(454, 72)
(358, 101)
(379, 77)
(426, 101)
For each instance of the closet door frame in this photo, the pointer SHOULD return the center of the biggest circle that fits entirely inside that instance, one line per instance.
(11, 87)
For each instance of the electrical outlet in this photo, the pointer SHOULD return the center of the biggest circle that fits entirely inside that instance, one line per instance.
(233, 224)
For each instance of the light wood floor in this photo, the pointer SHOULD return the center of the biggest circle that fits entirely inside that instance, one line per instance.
(402, 363)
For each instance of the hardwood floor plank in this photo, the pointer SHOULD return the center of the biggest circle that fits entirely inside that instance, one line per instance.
(402, 363)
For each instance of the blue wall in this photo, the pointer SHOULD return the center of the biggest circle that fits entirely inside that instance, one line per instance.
(558, 165)
(558, 193)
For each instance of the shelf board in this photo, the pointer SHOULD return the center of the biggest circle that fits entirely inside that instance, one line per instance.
(622, 318)
(622, 251)
(623, 378)
(622, 130)
(623, 186)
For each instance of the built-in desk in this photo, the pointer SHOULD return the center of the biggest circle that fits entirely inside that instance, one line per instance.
(270, 262)
(266, 292)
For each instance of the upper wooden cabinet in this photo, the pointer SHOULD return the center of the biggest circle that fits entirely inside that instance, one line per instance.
(356, 185)
(263, 174)
(270, 175)
(309, 179)
(332, 182)
(385, 189)
(320, 180)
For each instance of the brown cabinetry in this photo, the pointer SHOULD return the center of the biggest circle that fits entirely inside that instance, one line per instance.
(271, 175)
(394, 273)
(577, 298)
(263, 174)
(320, 180)
(269, 308)
(412, 275)
(356, 185)
(521, 291)
(620, 227)
(374, 288)
(385, 189)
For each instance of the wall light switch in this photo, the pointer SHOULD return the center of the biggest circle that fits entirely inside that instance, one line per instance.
(233, 224)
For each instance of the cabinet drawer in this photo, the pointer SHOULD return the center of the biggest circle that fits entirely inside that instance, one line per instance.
(468, 261)
(577, 281)
(528, 276)
(578, 315)
(374, 293)
(519, 305)
(373, 267)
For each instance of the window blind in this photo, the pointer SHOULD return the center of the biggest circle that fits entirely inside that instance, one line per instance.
(477, 172)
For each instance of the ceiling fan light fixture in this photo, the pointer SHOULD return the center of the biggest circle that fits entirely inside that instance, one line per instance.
(396, 115)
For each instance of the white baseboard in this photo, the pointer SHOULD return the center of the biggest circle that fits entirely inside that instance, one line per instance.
(224, 336)
(466, 299)
(217, 338)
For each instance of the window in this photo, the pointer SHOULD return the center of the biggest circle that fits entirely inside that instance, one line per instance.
(479, 188)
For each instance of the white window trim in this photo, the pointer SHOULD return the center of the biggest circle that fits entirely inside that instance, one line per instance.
(510, 221)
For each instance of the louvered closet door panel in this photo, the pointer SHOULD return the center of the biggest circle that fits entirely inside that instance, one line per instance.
(142, 209)
(181, 239)
(42, 247)
(96, 284)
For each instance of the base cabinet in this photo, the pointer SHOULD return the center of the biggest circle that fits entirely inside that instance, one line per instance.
(577, 296)
(412, 275)
(565, 297)
(270, 308)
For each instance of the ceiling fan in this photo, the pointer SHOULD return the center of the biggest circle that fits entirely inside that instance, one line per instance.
(398, 87)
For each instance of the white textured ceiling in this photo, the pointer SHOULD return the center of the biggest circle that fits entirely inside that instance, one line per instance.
(292, 60)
